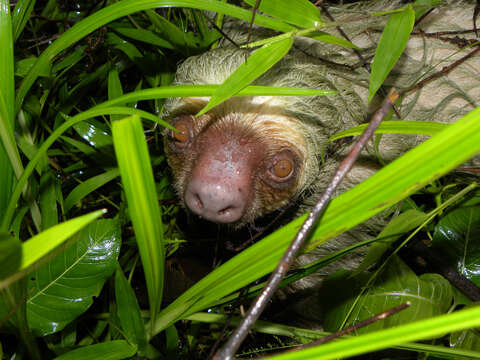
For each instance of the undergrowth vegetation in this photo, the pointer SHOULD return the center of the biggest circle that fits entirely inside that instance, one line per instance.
(90, 222)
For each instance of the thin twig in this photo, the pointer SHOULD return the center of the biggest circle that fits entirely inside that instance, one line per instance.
(227, 352)
(476, 12)
(445, 70)
(361, 324)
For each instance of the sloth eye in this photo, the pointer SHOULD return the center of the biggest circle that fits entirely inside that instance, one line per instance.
(181, 138)
(282, 168)
(182, 135)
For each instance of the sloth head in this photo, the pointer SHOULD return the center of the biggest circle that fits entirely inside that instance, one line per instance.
(250, 155)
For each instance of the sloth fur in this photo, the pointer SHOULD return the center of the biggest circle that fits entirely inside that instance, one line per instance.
(298, 127)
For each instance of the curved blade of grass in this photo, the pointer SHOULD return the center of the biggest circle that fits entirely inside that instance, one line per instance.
(419, 330)
(209, 90)
(89, 186)
(51, 139)
(396, 127)
(257, 63)
(394, 182)
(330, 39)
(123, 8)
(137, 177)
(9, 157)
(21, 14)
(303, 13)
(267, 327)
(392, 42)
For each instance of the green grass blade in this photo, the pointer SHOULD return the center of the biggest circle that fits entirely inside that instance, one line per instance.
(21, 14)
(87, 187)
(257, 64)
(392, 42)
(139, 186)
(393, 183)
(209, 90)
(8, 152)
(123, 8)
(419, 330)
(396, 127)
(303, 14)
(267, 327)
(115, 89)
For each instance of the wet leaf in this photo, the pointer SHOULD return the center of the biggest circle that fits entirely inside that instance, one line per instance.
(429, 295)
(457, 238)
(64, 288)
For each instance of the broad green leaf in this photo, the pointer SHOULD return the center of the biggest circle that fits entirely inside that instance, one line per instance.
(391, 184)
(396, 127)
(10, 255)
(41, 244)
(396, 228)
(89, 186)
(123, 8)
(466, 339)
(392, 42)
(142, 199)
(129, 312)
(302, 13)
(64, 288)
(108, 350)
(429, 295)
(257, 63)
(457, 239)
(378, 340)
(93, 134)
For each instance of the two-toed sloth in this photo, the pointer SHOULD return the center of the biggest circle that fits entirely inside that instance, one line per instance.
(251, 155)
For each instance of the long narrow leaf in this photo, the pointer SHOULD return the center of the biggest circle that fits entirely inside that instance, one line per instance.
(8, 152)
(396, 127)
(303, 14)
(257, 64)
(392, 42)
(137, 178)
(419, 330)
(21, 14)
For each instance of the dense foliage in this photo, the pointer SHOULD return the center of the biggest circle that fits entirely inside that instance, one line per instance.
(82, 89)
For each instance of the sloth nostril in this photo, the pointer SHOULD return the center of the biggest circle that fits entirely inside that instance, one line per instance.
(225, 211)
(198, 201)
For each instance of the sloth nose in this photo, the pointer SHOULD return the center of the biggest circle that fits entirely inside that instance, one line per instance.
(214, 201)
